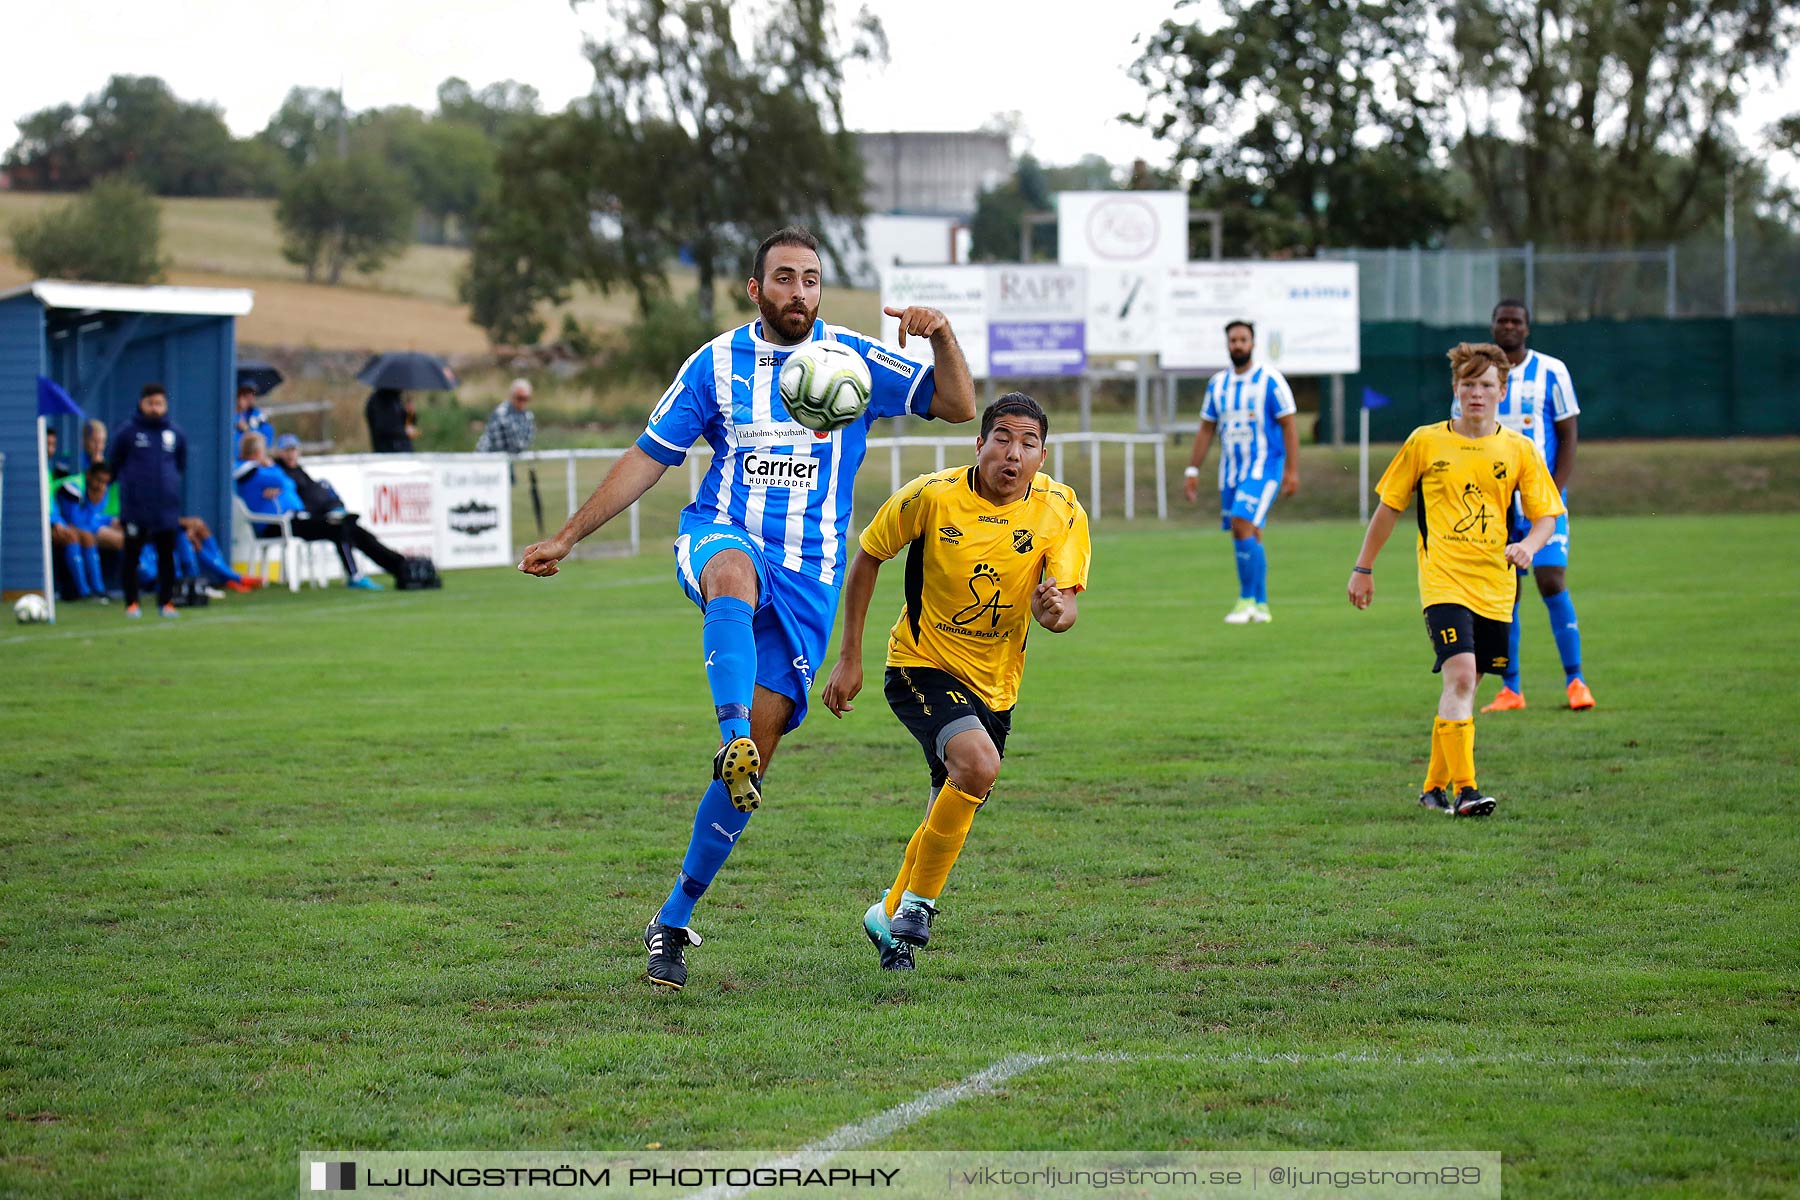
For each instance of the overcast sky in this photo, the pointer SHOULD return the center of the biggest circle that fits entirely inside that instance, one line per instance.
(953, 63)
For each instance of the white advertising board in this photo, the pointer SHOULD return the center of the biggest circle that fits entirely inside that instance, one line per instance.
(1120, 229)
(1127, 240)
(960, 293)
(457, 508)
(1306, 314)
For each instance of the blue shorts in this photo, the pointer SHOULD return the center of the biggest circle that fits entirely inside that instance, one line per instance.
(1555, 552)
(794, 613)
(1250, 501)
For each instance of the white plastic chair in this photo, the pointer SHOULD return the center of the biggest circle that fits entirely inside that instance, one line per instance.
(269, 534)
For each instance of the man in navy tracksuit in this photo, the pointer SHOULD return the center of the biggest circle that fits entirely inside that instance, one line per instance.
(149, 457)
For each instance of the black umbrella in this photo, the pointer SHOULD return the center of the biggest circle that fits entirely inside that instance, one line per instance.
(260, 377)
(408, 371)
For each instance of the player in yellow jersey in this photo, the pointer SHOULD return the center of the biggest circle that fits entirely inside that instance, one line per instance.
(1466, 472)
(988, 548)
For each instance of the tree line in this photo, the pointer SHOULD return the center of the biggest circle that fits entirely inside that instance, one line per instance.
(352, 188)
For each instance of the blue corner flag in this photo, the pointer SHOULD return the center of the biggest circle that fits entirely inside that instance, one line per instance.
(1374, 399)
(54, 402)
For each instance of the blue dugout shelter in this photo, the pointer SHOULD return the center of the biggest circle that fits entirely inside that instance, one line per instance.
(100, 343)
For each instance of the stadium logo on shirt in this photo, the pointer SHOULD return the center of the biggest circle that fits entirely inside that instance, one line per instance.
(1022, 541)
(1499, 469)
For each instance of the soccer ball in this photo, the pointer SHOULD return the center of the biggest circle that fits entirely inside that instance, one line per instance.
(31, 608)
(825, 385)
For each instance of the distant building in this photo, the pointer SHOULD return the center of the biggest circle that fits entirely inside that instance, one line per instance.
(932, 174)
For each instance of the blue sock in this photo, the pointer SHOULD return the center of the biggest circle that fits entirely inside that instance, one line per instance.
(146, 568)
(215, 561)
(716, 828)
(77, 564)
(1246, 551)
(1511, 677)
(186, 564)
(96, 577)
(1260, 571)
(1567, 633)
(730, 645)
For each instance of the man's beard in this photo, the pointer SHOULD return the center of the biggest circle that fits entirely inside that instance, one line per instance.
(1239, 360)
(791, 325)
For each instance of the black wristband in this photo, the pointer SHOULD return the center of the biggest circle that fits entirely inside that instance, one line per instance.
(1363, 570)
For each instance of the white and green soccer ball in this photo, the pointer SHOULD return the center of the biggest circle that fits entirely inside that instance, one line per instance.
(31, 608)
(825, 385)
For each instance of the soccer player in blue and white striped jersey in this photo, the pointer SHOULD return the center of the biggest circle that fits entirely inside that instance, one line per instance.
(1540, 403)
(761, 550)
(1251, 409)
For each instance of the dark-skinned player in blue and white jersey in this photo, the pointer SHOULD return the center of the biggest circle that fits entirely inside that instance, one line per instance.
(761, 549)
(1540, 404)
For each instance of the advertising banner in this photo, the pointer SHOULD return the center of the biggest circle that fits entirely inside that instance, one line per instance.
(1036, 321)
(960, 293)
(455, 508)
(1127, 241)
(1306, 315)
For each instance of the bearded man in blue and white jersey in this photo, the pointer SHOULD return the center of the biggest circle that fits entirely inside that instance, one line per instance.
(1540, 403)
(1251, 409)
(761, 550)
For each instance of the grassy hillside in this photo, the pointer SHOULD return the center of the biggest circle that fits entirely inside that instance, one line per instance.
(411, 304)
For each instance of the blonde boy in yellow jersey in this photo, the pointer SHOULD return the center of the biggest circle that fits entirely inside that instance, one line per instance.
(1466, 472)
(988, 548)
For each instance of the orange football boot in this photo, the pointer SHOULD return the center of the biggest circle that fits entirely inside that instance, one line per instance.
(1508, 700)
(1579, 696)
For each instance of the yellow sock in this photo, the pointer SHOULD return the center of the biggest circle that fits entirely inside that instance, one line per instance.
(904, 878)
(940, 840)
(1437, 775)
(1459, 751)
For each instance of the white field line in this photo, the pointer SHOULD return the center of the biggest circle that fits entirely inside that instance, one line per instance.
(871, 1129)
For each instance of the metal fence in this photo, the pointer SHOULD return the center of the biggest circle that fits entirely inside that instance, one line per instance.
(1700, 277)
(1065, 447)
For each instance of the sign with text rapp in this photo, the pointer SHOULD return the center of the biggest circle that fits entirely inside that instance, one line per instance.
(1306, 315)
(1035, 321)
(1011, 321)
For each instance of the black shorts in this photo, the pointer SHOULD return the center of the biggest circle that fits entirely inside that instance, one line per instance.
(936, 706)
(1455, 629)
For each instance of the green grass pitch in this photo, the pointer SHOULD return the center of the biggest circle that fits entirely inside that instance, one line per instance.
(344, 870)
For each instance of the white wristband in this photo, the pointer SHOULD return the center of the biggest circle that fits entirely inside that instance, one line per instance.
(1192, 473)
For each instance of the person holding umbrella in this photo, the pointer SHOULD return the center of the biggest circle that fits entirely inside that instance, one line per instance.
(389, 414)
